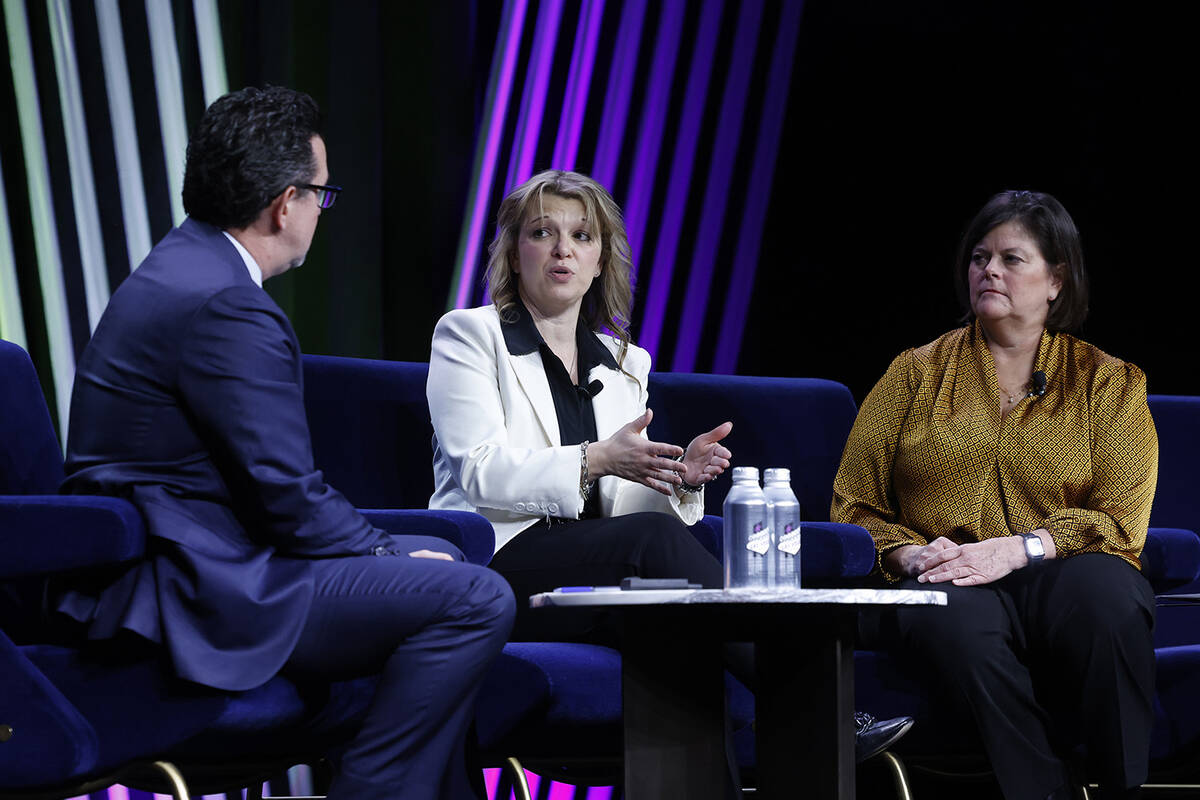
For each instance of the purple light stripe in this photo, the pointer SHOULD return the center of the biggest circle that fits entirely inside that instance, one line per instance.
(681, 175)
(618, 95)
(504, 61)
(716, 193)
(650, 132)
(758, 196)
(533, 98)
(579, 80)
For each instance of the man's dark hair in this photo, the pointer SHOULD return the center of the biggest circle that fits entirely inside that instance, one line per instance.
(1042, 217)
(250, 145)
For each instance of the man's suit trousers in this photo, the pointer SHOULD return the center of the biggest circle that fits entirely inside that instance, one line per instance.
(430, 628)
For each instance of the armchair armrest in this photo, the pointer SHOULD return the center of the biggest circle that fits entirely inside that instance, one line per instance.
(466, 530)
(44, 534)
(1170, 558)
(829, 551)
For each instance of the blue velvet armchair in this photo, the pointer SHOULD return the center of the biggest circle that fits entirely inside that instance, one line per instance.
(78, 717)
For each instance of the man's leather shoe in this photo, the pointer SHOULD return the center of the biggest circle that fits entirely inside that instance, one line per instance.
(872, 737)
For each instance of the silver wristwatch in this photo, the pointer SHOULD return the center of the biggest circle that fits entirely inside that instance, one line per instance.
(1035, 551)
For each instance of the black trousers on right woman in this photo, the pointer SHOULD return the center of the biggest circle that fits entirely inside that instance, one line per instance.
(1053, 655)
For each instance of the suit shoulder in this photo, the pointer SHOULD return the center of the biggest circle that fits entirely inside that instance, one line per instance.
(473, 322)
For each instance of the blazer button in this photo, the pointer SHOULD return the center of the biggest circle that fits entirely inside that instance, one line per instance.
(553, 508)
(519, 506)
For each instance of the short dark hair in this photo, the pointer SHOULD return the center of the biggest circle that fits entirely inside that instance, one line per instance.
(1045, 219)
(250, 145)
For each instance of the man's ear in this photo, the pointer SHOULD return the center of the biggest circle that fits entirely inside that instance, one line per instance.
(279, 208)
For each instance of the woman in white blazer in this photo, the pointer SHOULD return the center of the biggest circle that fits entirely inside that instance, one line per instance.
(539, 415)
(539, 410)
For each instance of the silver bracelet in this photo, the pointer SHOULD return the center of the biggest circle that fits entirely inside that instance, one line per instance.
(585, 485)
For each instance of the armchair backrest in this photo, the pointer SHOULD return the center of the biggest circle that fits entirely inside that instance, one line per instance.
(798, 423)
(370, 428)
(30, 459)
(1176, 500)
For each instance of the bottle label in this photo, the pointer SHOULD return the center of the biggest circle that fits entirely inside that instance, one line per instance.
(759, 541)
(790, 541)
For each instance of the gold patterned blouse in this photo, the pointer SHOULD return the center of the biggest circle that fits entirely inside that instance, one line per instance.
(931, 455)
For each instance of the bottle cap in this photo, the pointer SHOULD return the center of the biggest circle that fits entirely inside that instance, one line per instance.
(745, 474)
(777, 474)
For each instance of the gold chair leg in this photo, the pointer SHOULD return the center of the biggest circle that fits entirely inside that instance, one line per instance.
(899, 775)
(175, 777)
(520, 783)
(1084, 794)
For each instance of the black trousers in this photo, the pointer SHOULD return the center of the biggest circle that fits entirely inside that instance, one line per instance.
(596, 552)
(430, 628)
(1049, 657)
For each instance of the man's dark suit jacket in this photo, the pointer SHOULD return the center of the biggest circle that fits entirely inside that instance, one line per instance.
(188, 401)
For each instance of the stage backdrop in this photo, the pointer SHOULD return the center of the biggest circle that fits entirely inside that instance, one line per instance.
(794, 175)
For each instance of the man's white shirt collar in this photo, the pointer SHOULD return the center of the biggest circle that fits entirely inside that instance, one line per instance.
(251, 264)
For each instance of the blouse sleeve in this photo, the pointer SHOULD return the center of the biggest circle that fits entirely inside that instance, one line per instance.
(862, 490)
(1124, 451)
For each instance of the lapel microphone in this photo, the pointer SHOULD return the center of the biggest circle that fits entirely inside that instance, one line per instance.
(592, 389)
(1039, 384)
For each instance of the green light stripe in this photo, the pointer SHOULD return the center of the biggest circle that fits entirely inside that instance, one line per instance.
(37, 173)
(212, 53)
(79, 162)
(168, 85)
(124, 132)
(12, 320)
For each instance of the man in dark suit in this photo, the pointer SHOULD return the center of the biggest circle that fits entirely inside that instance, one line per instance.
(188, 401)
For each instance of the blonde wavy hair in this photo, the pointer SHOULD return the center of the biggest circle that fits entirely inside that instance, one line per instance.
(608, 302)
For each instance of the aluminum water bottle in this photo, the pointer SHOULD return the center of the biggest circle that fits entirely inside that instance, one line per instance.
(747, 532)
(784, 520)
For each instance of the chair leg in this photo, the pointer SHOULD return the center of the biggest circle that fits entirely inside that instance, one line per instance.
(1084, 794)
(175, 778)
(254, 791)
(520, 782)
(899, 774)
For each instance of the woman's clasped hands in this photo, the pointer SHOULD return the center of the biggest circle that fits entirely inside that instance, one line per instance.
(971, 564)
(630, 455)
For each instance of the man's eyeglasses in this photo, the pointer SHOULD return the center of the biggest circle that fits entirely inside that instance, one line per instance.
(326, 195)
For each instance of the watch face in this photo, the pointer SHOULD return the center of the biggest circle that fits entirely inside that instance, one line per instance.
(1034, 548)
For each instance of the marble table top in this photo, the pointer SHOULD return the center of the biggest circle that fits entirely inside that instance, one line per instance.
(614, 596)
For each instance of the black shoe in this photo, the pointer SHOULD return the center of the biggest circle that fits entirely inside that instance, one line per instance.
(871, 737)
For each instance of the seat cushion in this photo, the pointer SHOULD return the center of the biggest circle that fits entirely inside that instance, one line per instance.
(564, 699)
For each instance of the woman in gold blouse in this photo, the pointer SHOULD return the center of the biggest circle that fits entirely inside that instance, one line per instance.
(1013, 466)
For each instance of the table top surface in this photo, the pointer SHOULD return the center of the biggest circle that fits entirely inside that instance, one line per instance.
(614, 596)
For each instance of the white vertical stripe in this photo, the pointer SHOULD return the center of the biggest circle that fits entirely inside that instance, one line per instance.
(212, 53)
(124, 132)
(12, 321)
(41, 209)
(79, 162)
(168, 86)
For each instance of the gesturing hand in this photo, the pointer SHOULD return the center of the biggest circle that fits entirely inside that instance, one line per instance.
(974, 563)
(632, 456)
(706, 458)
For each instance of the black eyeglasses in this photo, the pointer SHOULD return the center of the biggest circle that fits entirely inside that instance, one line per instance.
(326, 195)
